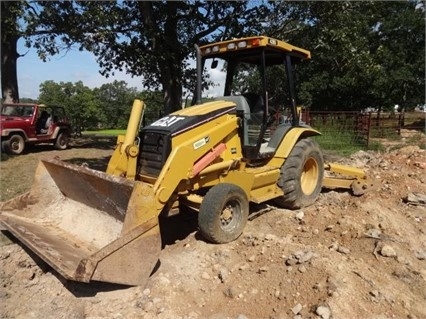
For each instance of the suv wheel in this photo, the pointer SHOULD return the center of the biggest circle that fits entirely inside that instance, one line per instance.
(14, 145)
(61, 142)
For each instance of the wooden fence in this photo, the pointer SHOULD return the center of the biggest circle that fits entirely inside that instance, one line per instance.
(366, 127)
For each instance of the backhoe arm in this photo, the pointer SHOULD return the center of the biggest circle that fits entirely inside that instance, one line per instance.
(350, 178)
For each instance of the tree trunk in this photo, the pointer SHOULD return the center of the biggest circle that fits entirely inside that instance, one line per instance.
(172, 90)
(172, 72)
(9, 79)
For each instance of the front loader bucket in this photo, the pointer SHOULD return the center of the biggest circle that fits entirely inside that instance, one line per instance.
(87, 224)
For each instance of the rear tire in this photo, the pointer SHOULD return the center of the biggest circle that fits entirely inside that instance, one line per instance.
(223, 213)
(15, 145)
(301, 175)
(61, 142)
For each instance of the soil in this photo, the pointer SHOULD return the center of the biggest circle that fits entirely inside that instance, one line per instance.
(345, 256)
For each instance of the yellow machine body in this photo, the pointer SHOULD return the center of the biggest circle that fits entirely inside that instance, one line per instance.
(95, 226)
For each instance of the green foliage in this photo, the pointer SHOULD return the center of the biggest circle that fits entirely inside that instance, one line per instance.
(27, 100)
(376, 146)
(105, 132)
(153, 39)
(385, 132)
(338, 139)
(107, 107)
(79, 101)
(364, 54)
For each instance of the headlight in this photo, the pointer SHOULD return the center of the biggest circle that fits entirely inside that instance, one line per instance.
(231, 46)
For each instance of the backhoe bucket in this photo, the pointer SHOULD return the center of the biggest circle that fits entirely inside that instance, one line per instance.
(86, 224)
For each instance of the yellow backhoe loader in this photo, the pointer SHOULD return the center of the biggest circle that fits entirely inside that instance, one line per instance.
(214, 157)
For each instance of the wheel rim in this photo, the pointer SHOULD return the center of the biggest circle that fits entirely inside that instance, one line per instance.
(15, 145)
(62, 140)
(230, 215)
(309, 178)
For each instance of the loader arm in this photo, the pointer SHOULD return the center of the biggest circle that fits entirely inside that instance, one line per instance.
(124, 158)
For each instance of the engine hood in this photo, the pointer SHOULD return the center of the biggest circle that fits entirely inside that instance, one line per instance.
(185, 119)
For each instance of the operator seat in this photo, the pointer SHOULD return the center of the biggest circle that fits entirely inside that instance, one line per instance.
(255, 102)
(256, 105)
(241, 106)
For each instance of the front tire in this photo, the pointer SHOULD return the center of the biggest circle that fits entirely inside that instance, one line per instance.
(223, 213)
(301, 175)
(15, 145)
(61, 142)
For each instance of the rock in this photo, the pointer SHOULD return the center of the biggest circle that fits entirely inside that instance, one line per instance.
(230, 292)
(244, 266)
(298, 254)
(299, 215)
(241, 316)
(290, 261)
(302, 269)
(334, 246)
(415, 199)
(223, 274)
(420, 254)
(146, 292)
(205, 275)
(387, 251)
(329, 228)
(323, 311)
(343, 250)
(262, 269)
(306, 257)
(163, 280)
(270, 237)
(148, 306)
(297, 309)
(252, 258)
(374, 233)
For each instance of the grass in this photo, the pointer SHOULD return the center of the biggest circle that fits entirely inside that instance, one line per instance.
(113, 132)
(339, 140)
(385, 132)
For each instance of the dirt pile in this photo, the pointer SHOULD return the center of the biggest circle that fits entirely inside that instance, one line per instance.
(344, 257)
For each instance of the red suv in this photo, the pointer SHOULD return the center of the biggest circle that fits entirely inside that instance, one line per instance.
(22, 124)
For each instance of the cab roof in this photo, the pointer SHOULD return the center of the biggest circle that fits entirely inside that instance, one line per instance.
(248, 50)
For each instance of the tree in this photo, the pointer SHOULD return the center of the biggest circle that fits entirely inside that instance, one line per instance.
(398, 43)
(153, 39)
(17, 19)
(115, 101)
(363, 53)
(79, 101)
(10, 12)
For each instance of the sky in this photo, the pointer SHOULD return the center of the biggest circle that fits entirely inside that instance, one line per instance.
(72, 66)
